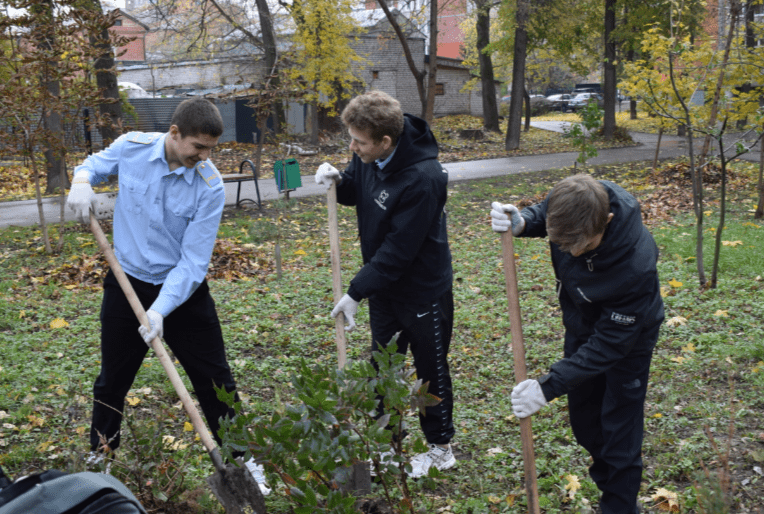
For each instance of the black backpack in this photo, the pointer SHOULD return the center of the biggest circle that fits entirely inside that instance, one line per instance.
(56, 492)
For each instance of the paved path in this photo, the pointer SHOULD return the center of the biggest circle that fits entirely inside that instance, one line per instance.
(25, 212)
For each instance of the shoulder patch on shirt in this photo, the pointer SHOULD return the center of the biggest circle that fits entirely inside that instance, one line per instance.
(208, 174)
(623, 319)
(140, 138)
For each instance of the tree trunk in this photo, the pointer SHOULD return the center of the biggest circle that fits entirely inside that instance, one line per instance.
(760, 207)
(734, 12)
(271, 57)
(51, 90)
(313, 124)
(415, 71)
(722, 213)
(487, 83)
(528, 109)
(608, 126)
(106, 80)
(518, 76)
(432, 68)
(632, 102)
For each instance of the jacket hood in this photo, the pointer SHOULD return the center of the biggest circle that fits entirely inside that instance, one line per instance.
(416, 144)
(623, 231)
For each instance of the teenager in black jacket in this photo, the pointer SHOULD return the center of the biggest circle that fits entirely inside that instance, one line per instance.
(605, 263)
(399, 190)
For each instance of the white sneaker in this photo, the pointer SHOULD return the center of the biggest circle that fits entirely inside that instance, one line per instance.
(258, 473)
(384, 459)
(97, 459)
(437, 457)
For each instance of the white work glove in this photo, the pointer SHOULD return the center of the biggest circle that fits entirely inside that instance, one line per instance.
(527, 398)
(157, 329)
(326, 174)
(348, 307)
(81, 197)
(501, 222)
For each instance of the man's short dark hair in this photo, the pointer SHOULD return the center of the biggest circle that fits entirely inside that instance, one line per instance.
(197, 116)
(577, 208)
(377, 113)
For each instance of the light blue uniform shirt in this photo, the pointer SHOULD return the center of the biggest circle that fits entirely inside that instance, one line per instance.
(165, 222)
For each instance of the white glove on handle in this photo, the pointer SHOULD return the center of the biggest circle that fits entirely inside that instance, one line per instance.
(81, 198)
(348, 307)
(527, 398)
(501, 222)
(326, 174)
(157, 329)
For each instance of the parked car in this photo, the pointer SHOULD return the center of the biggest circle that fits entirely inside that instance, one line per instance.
(559, 102)
(581, 99)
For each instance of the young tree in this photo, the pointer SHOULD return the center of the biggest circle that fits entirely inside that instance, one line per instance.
(49, 60)
(668, 82)
(419, 75)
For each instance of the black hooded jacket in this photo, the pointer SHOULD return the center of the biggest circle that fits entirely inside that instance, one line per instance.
(401, 220)
(610, 297)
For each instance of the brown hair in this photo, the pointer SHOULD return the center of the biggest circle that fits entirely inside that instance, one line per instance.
(197, 116)
(377, 113)
(577, 208)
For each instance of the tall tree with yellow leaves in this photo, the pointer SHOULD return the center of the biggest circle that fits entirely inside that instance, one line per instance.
(324, 59)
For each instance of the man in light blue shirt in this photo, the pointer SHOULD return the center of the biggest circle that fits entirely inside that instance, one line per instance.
(166, 219)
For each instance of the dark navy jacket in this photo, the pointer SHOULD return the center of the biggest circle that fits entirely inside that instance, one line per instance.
(401, 220)
(610, 296)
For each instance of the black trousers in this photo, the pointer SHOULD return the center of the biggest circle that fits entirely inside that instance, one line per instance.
(426, 329)
(607, 418)
(192, 332)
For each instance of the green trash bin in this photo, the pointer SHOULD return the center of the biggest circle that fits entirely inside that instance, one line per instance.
(287, 174)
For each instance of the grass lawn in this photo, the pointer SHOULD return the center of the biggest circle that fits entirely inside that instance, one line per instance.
(704, 405)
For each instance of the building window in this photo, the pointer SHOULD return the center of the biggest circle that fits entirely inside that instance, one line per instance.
(440, 89)
(375, 74)
(117, 23)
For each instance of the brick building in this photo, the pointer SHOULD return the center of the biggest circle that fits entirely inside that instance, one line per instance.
(451, 13)
(131, 27)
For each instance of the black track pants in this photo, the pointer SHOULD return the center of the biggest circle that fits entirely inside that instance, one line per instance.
(426, 329)
(193, 334)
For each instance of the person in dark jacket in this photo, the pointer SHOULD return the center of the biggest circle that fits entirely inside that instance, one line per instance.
(399, 190)
(605, 262)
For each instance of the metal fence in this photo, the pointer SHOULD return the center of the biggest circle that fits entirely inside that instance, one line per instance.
(155, 114)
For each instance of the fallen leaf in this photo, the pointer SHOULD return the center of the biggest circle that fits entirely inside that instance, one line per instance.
(188, 427)
(676, 320)
(675, 283)
(689, 348)
(58, 323)
(133, 401)
(667, 500)
(732, 243)
(572, 486)
(721, 314)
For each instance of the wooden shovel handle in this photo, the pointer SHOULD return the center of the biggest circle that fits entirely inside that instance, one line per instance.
(334, 246)
(156, 344)
(518, 351)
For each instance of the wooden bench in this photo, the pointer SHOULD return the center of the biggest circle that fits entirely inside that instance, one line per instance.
(243, 177)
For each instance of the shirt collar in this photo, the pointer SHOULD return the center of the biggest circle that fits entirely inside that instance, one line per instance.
(159, 153)
(382, 164)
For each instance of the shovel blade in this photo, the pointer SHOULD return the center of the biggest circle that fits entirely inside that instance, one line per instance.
(237, 491)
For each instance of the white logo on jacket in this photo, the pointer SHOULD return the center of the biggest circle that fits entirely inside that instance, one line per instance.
(381, 200)
(623, 319)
